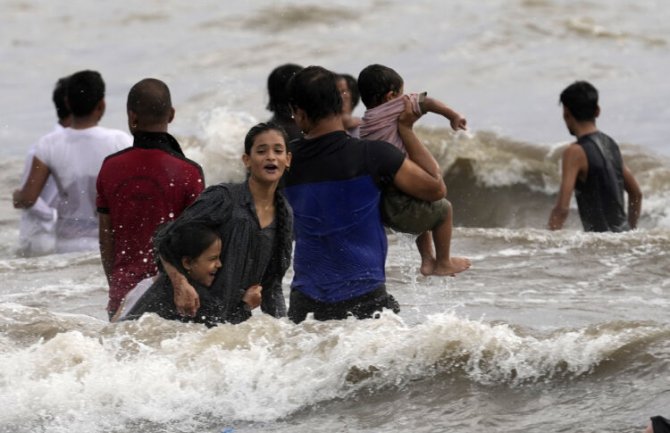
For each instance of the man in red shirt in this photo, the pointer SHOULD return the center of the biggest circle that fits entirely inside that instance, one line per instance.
(140, 188)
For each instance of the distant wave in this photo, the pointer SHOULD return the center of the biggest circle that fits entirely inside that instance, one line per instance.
(496, 181)
(492, 181)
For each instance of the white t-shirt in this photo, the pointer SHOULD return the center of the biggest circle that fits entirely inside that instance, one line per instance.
(74, 157)
(38, 223)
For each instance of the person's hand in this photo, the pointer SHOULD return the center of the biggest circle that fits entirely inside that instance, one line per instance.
(458, 122)
(16, 199)
(186, 299)
(408, 116)
(252, 296)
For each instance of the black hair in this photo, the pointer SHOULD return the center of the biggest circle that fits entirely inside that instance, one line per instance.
(314, 90)
(187, 240)
(150, 99)
(375, 81)
(58, 98)
(259, 129)
(277, 81)
(85, 90)
(581, 99)
(352, 84)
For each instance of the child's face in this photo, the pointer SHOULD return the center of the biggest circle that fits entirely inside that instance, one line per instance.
(203, 268)
(268, 158)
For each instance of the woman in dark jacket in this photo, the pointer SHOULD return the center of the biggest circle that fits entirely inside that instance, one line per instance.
(255, 224)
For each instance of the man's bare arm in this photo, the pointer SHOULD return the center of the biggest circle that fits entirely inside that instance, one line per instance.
(30, 191)
(634, 197)
(574, 159)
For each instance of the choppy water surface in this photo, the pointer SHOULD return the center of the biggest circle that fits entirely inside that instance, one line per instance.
(548, 331)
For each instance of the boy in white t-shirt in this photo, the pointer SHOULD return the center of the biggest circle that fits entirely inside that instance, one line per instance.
(37, 227)
(73, 157)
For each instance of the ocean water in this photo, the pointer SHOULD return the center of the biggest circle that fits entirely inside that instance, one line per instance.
(548, 331)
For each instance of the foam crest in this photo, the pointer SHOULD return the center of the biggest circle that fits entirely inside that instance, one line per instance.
(219, 146)
(155, 372)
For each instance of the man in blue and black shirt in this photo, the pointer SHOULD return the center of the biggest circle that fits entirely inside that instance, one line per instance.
(334, 187)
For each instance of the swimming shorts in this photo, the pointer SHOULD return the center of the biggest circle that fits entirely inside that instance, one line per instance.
(407, 214)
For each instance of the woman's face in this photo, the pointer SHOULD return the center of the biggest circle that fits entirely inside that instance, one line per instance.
(204, 267)
(268, 158)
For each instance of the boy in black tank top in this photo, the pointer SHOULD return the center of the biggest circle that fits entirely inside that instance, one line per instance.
(594, 169)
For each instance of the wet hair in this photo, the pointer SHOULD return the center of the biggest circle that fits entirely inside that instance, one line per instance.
(352, 84)
(259, 129)
(375, 81)
(187, 240)
(85, 90)
(277, 81)
(314, 90)
(581, 99)
(150, 100)
(58, 98)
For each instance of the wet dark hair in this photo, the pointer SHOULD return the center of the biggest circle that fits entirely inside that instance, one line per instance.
(581, 99)
(259, 129)
(277, 82)
(150, 99)
(187, 240)
(352, 84)
(85, 90)
(314, 90)
(375, 81)
(58, 98)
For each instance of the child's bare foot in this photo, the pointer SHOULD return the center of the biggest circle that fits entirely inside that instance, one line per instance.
(452, 267)
(427, 267)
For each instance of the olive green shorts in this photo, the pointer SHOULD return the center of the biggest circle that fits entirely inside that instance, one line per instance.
(404, 213)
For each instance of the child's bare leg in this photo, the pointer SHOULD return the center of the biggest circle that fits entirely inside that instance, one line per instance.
(425, 245)
(444, 263)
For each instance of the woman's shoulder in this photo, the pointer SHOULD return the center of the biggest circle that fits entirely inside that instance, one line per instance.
(231, 188)
(225, 192)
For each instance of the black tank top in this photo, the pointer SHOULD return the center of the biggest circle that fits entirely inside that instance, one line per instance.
(600, 197)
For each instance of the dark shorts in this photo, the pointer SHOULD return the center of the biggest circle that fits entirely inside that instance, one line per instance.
(363, 307)
(406, 214)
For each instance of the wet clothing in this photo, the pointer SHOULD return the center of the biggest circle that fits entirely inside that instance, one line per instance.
(37, 228)
(407, 214)
(159, 299)
(250, 254)
(74, 157)
(600, 198)
(362, 307)
(400, 211)
(140, 188)
(381, 122)
(334, 187)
